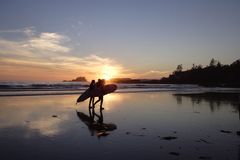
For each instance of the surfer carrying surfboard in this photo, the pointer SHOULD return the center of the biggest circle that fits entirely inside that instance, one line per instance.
(91, 88)
(100, 84)
(99, 90)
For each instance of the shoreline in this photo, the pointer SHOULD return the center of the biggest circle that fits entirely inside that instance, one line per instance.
(177, 91)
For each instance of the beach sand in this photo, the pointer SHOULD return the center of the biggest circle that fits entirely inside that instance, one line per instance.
(151, 125)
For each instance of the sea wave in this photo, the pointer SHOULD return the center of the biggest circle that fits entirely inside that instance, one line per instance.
(61, 88)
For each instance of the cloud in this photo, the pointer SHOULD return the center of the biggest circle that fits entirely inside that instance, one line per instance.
(13, 48)
(45, 56)
(28, 31)
(43, 42)
(80, 23)
(47, 42)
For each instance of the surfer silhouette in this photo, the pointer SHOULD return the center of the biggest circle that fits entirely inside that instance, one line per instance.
(100, 84)
(98, 89)
(92, 87)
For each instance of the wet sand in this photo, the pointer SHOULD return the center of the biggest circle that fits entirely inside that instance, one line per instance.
(158, 125)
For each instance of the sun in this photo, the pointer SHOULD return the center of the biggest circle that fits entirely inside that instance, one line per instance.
(109, 72)
(107, 77)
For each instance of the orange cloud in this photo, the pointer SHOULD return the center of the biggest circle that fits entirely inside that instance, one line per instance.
(45, 57)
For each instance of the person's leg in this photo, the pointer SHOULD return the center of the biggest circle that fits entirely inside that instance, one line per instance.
(93, 113)
(90, 101)
(97, 101)
(93, 105)
(90, 113)
(101, 103)
(101, 116)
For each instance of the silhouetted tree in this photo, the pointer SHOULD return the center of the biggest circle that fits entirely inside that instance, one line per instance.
(213, 62)
(194, 66)
(219, 64)
(179, 68)
(199, 66)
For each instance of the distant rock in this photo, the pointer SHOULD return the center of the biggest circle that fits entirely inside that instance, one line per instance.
(78, 79)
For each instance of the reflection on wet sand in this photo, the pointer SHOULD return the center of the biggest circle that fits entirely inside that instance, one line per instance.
(150, 126)
(96, 127)
(36, 113)
(215, 100)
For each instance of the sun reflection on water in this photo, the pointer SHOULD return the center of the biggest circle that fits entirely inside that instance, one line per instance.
(111, 101)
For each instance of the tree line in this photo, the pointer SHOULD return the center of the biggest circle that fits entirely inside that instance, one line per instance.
(215, 74)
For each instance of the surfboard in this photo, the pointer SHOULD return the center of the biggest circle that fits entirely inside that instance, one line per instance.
(97, 91)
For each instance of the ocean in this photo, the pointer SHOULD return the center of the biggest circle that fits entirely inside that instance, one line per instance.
(61, 88)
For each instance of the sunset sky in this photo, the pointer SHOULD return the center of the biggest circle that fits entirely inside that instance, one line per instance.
(54, 40)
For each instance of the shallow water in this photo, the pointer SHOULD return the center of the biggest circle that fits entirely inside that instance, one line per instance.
(47, 127)
(64, 88)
